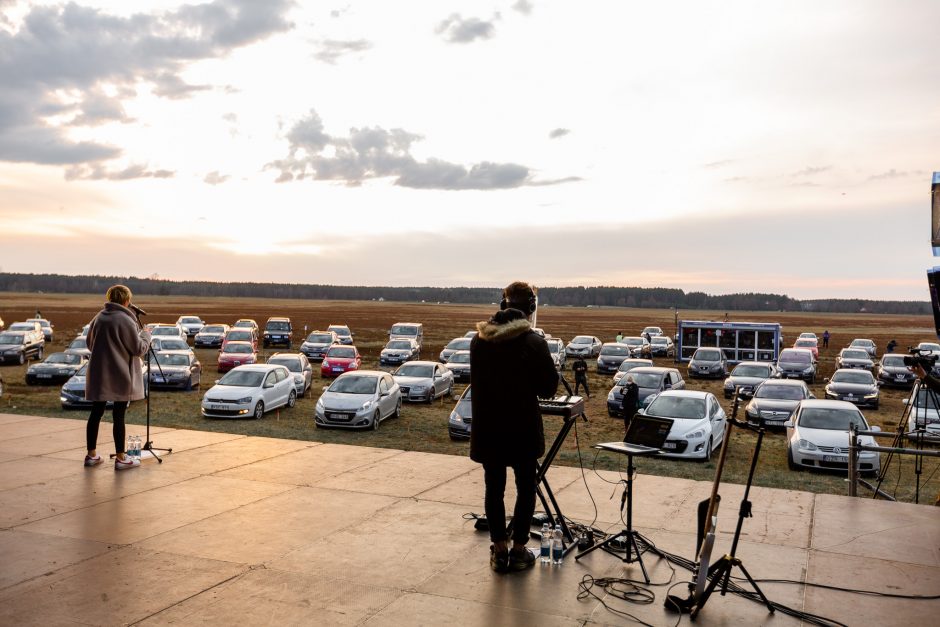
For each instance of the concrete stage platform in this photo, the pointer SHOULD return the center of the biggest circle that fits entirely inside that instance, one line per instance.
(243, 530)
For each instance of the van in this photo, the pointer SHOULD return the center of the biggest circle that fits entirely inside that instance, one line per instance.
(407, 331)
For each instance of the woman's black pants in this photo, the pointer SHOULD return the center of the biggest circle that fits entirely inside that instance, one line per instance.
(117, 414)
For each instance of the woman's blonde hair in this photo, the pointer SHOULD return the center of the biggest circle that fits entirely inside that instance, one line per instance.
(120, 294)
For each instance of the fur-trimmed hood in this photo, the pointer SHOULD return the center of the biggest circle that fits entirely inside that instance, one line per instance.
(504, 325)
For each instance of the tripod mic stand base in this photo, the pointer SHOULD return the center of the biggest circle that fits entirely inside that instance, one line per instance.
(147, 450)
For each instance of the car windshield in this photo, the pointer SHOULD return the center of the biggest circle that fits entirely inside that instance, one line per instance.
(795, 358)
(164, 331)
(645, 380)
(854, 355)
(458, 344)
(173, 345)
(854, 376)
(11, 338)
(677, 407)
(404, 329)
(291, 363)
(582, 339)
(402, 345)
(652, 330)
(240, 336)
(238, 348)
(608, 351)
(708, 355)
(81, 371)
(22, 326)
(780, 392)
(172, 360)
(354, 385)
(748, 370)
(659, 340)
(340, 330)
(632, 341)
(554, 347)
(925, 346)
(893, 360)
(343, 352)
(277, 325)
(320, 338)
(190, 320)
(459, 358)
(628, 365)
(862, 343)
(833, 418)
(926, 399)
(213, 329)
(63, 358)
(245, 323)
(806, 343)
(79, 343)
(243, 378)
(415, 370)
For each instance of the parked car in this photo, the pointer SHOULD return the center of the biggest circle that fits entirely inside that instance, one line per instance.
(459, 364)
(340, 359)
(250, 391)
(629, 364)
(79, 346)
(867, 345)
(18, 346)
(211, 336)
(175, 369)
(359, 400)
(808, 335)
(698, 423)
(854, 386)
(408, 331)
(708, 363)
(809, 344)
(277, 332)
(343, 334)
(650, 380)
(556, 349)
(892, 371)
(931, 349)
(796, 363)
(747, 375)
(170, 344)
(818, 437)
(168, 330)
(461, 417)
(56, 368)
(774, 401)
(241, 334)
(45, 326)
(854, 358)
(456, 344)
(583, 346)
(72, 393)
(247, 323)
(1, 376)
(28, 325)
(317, 343)
(299, 367)
(424, 381)
(234, 354)
(650, 332)
(470, 334)
(398, 352)
(190, 324)
(925, 414)
(639, 346)
(662, 346)
(611, 356)
(84, 331)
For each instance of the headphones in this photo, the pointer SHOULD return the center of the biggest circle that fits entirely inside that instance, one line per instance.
(528, 307)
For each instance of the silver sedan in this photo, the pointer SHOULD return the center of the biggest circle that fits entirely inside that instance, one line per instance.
(424, 381)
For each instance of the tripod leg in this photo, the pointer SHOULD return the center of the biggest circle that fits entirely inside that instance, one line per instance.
(149, 447)
(720, 568)
(770, 607)
(631, 545)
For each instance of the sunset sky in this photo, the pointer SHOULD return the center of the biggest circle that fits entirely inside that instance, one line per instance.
(719, 146)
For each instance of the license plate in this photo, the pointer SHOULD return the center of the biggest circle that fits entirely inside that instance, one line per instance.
(844, 459)
(158, 379)
(669, 445)
(337, 369)
(703, 368)
(900, 377)
(217, 407)
(774, 422)
(44, 376)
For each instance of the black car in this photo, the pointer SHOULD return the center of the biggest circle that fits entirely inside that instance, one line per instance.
(747, 375)
(854, 358)
(775, 400)
(277, 332)
(18, 346)
(611, 356)
(175, 369)
(855, 386)
(459, 364)
(892, 371)
(211, 336)
(796, 363)
(57, 368)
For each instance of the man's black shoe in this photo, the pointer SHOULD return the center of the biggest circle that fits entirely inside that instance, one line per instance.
(499, 562)
(520, 559)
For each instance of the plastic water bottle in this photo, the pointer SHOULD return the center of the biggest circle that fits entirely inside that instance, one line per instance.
(546, 552)
(129, 449)
(135, 446)
(558, 546)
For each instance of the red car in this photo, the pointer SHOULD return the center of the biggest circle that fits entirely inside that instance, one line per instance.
(241, 335)
(808, 343)
(236, 354)
(340, 359)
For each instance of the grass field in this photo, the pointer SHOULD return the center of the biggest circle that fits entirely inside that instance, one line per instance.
(424, 427)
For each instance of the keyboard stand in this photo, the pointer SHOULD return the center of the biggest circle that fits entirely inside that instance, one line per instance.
(543, 489)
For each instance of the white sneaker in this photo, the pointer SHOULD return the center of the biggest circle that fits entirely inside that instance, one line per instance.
(127, 463)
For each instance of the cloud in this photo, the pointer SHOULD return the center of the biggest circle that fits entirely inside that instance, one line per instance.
(890, 174)
(558, 132)
(523, 6)
(330, 50)
(61, 58)
(97, 172)
(459, 30)
(718, 164)
(214, 178)
(369, 153)
(812, 171)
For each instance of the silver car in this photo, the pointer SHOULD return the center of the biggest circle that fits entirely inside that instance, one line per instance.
(556, 349)
(398, 351)
(359, 400)
(191, 324)
(456, 344)
(708, 362)
(854, 358)
(662, 346)
(459, 364)
(168, 330)
(639, 346)
(747, 375)
(299, 367)
(343, 334)
(867, 345)
(584, 346)
(79, 346)
(818, 437)
(629, 364)
(169, 344)
(424, 381)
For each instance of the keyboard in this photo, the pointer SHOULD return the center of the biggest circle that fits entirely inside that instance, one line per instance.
(564, 406)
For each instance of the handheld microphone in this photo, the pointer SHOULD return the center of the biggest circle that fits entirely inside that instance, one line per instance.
(137, 310)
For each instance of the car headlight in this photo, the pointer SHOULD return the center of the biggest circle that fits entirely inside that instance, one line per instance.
(366, 405)
(872, 395)
(456, 418)
(244, 401)
(806, 445)
(695, 435)
(298, 378)
(326, 363)
(320, 403)
(419, 388)
(808, 370)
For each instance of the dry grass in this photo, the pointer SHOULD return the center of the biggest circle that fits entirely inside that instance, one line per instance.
(423, 427)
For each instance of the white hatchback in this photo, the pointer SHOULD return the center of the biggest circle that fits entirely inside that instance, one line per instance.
(818, 436)
(250, 391)
(698, 423)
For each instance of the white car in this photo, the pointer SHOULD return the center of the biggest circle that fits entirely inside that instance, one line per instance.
(360, 399)
(343, 334)
(169, 344)
(924, 415)
(79, 346)
(818, 436)
(809, 335)
(300, 369)
(868, 345)
(191, 324)
(424, 381)
(250, 390)
(584, 346)
(639, 346)
(629, 364)
(168, 330)
(698, 423)
(556, 348)
(650, 332)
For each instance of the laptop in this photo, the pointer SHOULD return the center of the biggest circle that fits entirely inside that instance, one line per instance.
(645, 436)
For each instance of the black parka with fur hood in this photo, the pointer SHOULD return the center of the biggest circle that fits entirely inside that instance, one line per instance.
(510, 368)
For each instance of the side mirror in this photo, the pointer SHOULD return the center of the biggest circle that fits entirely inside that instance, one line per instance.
(268, 386)
(826, 380)
(876, 428)
(455, 397)
(384, 394)
(325, 388)
(788, 424)
(216, 381)
(905, 401)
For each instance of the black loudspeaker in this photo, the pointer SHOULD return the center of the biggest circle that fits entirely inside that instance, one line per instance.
(528, 307)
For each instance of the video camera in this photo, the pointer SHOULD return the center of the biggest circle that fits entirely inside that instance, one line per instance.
(921, 358)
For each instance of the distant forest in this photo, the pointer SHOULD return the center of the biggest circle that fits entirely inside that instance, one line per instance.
(600, 296)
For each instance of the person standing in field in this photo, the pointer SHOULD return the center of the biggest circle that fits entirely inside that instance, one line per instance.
(114, 372)
(826, 338)
(631, 398)
(619, 337)
(579, 368)
(510, 368)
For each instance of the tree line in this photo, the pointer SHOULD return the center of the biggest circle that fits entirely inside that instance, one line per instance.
(595, 296)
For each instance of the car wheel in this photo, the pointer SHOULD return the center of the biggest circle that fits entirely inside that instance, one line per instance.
(875, 406)
(708, 451)
(398, 409)
(22, 358)
(790, 463)
(39, 354)
(259, 410)
(189, 384)
(376, 420)
(292, 399)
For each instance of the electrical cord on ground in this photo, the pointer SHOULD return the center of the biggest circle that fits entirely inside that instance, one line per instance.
(627, 590)
(874, 593)
(577, 442)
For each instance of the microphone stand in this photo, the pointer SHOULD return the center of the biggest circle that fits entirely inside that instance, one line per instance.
(148, 444)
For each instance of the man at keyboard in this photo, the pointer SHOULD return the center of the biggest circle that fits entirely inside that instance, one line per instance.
(510, 368)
